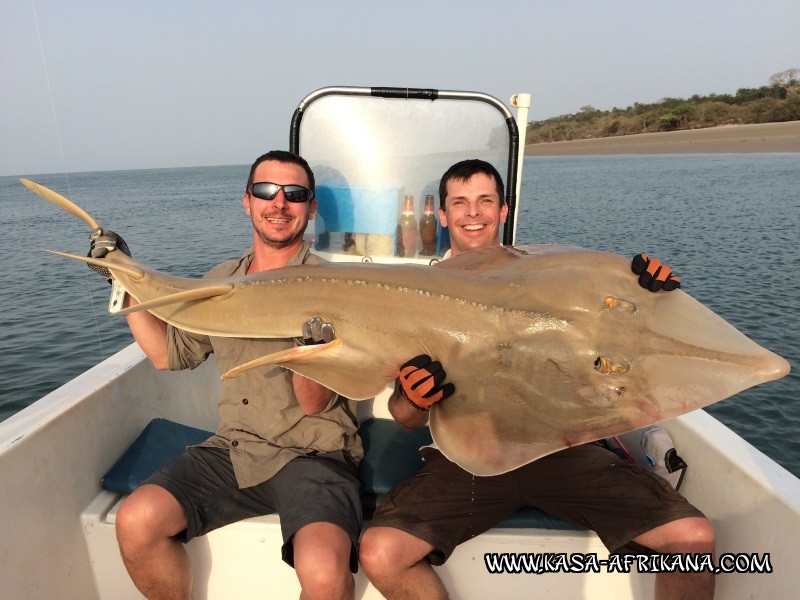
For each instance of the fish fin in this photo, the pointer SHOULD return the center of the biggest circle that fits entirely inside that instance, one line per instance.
(111, 265)
(60, 201)
(210, 291)
(330, 364)
(283, 358)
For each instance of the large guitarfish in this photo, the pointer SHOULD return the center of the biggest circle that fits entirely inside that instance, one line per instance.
(548, 346)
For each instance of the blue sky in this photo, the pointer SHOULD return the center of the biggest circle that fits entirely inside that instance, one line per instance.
(161, 83)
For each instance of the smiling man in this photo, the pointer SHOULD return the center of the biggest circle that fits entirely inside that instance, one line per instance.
(279, 219)
(284, 443)
(471, 206)
(422, 520)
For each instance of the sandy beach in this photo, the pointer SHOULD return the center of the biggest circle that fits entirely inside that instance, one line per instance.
(766, 137)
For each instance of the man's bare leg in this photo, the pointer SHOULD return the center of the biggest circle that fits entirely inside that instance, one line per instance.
(156, 561)
(396, 565)
(322, 562)
(692, 535)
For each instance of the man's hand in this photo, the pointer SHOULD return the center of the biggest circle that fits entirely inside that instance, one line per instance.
(101, 242)
(653, 274)
(315, 331)
(421, 382)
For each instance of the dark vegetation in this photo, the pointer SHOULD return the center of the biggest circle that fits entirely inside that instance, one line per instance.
(779, 101)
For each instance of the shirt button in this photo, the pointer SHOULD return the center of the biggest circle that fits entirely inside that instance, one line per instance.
(234, 443)
(245, 401)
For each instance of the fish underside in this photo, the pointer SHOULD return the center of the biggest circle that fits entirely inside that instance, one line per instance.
(548, 346)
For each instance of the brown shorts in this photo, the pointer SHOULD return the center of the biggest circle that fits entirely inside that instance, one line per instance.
(587, 485)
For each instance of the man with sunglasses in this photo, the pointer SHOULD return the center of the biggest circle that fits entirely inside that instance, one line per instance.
(281, 438)
(422, 520)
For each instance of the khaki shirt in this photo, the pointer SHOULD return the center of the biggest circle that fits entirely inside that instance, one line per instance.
(261, 423)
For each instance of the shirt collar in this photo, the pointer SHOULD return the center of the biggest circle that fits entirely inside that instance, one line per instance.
(240, 267)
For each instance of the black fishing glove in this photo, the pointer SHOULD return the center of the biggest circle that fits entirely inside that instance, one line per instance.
(653, 274)
(421, 381)
(101, 242)
(315, 331)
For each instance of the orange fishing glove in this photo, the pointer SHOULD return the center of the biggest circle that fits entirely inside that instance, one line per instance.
(653, 274)
(421, 382)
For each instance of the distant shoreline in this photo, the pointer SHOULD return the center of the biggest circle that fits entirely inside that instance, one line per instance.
(761, 137)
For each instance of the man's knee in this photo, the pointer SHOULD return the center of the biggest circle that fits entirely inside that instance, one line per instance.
(687, 535)
(325, 579)
(322, 560)
(328, 576)
(375, 551)
(386, 551)
(699, 534)
(150, 513)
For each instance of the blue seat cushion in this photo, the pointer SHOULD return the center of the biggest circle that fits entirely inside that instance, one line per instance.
(160, 442)
(391, 455)
(531, 517)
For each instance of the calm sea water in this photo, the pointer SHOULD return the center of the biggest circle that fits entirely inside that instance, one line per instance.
(728, 224)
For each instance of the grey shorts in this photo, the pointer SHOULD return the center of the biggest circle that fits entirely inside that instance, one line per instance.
(587, 485)
(308, 489)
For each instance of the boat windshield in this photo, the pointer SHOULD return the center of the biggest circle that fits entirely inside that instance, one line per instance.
(378, 160)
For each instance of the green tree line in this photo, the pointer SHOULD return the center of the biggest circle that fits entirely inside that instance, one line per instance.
(776, 102)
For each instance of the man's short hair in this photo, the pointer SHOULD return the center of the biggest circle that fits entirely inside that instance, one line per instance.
(282, 156)
(464, 170)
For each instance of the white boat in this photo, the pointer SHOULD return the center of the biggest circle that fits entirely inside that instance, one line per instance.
(56, 529)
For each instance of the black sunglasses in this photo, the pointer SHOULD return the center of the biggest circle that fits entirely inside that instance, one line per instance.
(293, 193)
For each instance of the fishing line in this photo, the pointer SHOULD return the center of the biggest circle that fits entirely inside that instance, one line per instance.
(75, 225)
